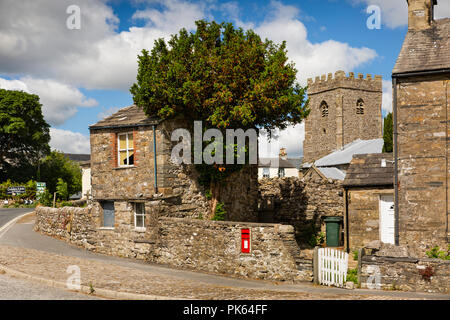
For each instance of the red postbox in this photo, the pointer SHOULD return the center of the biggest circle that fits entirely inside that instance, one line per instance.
(245, 240)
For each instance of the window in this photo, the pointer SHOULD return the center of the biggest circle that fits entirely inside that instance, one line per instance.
(360, 107)
(126, 149)
(324, 109)
(266, 173)
(108, 214)
(139, 215)
(281, 173)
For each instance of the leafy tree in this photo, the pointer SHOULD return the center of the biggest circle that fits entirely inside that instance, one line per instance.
(224, 77)
(62, 190)
(388, 133)
(24, 135)
(57, 166)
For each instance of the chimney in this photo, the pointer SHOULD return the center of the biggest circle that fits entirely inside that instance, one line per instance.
(283, 154)
(420, 14)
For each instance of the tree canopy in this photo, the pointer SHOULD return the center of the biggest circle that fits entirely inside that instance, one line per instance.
(388, 133)
(221, 75)
(24, 134)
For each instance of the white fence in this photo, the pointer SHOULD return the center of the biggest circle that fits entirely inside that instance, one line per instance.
(332, 267)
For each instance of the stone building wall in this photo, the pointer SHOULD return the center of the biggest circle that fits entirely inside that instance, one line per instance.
(202, 245)
(392, 269)
(302, 203)
(342, 125)
(179, 192)
(364, 215)
(423, 115)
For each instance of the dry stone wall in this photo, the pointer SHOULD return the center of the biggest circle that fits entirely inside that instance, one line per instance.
(204, 245)
(302, 203)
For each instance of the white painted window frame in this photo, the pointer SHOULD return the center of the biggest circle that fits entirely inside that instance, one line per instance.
(128, 149)
(266, 172)
(139, 228)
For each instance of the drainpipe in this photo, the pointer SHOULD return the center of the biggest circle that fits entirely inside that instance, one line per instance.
(154, 159)
(396, 211)
(347, 236)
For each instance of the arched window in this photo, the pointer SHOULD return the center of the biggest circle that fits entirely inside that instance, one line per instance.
(360, 106)
(324, 109)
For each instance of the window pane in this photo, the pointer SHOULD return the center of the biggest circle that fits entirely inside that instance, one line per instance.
(123, 142)
(131, 157)
(139, 221)
(130, 141)
(123, 158)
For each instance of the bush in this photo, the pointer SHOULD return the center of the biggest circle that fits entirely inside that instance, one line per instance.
(220, 214)
(61, 189)
(352, 275)
(436, 253)
(46, 199)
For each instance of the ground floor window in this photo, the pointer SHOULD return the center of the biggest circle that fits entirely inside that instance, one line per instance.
(281, 173)
(139, 215)
(266, 173)
(108, 214)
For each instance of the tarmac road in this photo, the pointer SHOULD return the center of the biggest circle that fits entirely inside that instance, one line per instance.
(7, 215)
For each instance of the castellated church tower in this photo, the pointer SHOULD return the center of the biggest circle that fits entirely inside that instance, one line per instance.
(343, 109)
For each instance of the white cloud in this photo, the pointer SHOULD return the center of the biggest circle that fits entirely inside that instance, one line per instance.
(387, 96)
(311, 59)
(394, 13)
(68, 141)
(59, 101)
(107, 112)
(291, 138)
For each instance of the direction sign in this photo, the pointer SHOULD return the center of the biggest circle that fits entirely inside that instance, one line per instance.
(15, 190)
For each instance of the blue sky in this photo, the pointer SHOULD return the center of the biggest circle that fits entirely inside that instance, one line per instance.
(84, 75)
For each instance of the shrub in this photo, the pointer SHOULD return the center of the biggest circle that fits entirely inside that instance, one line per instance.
(352, 275)
(436, 253)
(220, 214)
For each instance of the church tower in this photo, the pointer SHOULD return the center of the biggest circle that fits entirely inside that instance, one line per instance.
(343, 109)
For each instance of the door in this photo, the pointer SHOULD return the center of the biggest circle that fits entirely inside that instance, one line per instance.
(108, 214)
(387, 219)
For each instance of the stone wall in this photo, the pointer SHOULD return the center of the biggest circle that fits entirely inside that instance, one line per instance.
(392, 269)
(364, 215)
(342, 125)
(302, 203)
(423, 115)
(203, 245)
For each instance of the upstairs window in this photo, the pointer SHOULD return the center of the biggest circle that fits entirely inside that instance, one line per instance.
(360, 107)
(324, 109)
(125, 149)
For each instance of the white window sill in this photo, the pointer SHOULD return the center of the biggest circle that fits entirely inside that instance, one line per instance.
(106, 228)
(140, 229)
(124, 167)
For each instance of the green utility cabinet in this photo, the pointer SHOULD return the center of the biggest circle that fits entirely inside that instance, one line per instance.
(333, 230)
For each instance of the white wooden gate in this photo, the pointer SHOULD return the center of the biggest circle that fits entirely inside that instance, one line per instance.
(332, 267)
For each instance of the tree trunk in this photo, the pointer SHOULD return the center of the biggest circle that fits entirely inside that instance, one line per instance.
(215, 192)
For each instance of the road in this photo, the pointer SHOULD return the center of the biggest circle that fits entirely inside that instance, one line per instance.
(7, 215)
(17, 289)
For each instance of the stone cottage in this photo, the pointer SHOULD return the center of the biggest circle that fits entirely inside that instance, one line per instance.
(134, 179)
(369, 200)
(421, 93)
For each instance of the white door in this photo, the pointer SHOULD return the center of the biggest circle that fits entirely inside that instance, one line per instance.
(387, 219)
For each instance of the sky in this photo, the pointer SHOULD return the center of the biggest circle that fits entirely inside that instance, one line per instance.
(84, 74)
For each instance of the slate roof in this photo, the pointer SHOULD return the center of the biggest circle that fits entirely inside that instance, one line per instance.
(131, 116)
(344, 155)
(78, 157)
(425, 50)
(332, 173)
(366, 170)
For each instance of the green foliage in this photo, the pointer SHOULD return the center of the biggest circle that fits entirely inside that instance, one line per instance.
(352, 275)
(220, 214)
(223, 76)
(316, 239)
(65, 204)
(24, 135)
(436, 253)
(57, 166)
(388, 133)
(30, 190)
(355, 255)
(61, 189)
(46, 199)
